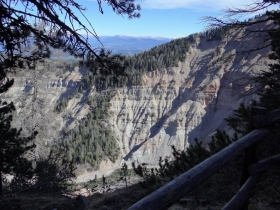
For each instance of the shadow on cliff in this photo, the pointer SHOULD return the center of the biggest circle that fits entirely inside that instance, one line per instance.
(216, 112)
(185, 94)
(71, 86)
(134, 149)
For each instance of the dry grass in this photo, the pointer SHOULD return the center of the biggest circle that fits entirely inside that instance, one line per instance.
(216, 191)
(37, 202)
(119, 199)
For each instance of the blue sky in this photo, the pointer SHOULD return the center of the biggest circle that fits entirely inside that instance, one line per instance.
(165, 18)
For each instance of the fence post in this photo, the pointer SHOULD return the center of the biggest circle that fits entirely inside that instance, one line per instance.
(250, 155)
(174, 190)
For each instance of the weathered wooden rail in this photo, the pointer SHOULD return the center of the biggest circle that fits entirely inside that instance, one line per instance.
(173, 191)
(256, 171)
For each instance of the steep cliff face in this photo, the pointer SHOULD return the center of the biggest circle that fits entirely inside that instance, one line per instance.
(173, 106)
(35, 94)
(176, 105)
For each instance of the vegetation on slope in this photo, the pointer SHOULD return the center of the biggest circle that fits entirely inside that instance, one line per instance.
(268, 91)
(88, 140)
(92, 140)
(27, 38)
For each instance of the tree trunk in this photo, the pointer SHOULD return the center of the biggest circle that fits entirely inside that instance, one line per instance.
(250, 152)
(241, 197)
(1, 191)
(265, 164)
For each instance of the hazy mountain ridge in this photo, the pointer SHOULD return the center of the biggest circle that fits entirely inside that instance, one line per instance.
(128, 45)
(171, 107)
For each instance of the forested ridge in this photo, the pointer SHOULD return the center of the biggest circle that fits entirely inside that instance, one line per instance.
(92, 140)
(238, 174)
(29, 31)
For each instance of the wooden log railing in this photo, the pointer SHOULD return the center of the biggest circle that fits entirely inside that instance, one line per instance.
(173, 191)
(256, 171)
(242, 195)
(265, 164)
(250, 153)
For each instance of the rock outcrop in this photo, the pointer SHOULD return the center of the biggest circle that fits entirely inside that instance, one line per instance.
(176, 105)
(173, 106)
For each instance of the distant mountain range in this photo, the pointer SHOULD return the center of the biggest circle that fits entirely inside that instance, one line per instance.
(128, 45)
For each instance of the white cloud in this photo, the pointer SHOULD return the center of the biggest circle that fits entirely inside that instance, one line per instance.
(215, 5)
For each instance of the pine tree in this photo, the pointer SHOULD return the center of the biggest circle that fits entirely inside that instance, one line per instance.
(13, 146)
(124, 173)
(28, 30)
(270, 80)
(220, 140)
(240, 121)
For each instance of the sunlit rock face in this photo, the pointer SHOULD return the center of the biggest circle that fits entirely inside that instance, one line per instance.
(35, 94)
(176, 105)
(173, 106)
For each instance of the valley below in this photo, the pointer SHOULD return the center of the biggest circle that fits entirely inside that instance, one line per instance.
(172, 105)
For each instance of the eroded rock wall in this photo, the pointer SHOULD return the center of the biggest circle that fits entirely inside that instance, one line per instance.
(173, 106)
(176, 105)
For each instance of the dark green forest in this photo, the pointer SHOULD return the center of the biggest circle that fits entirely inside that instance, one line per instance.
(92, 140)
